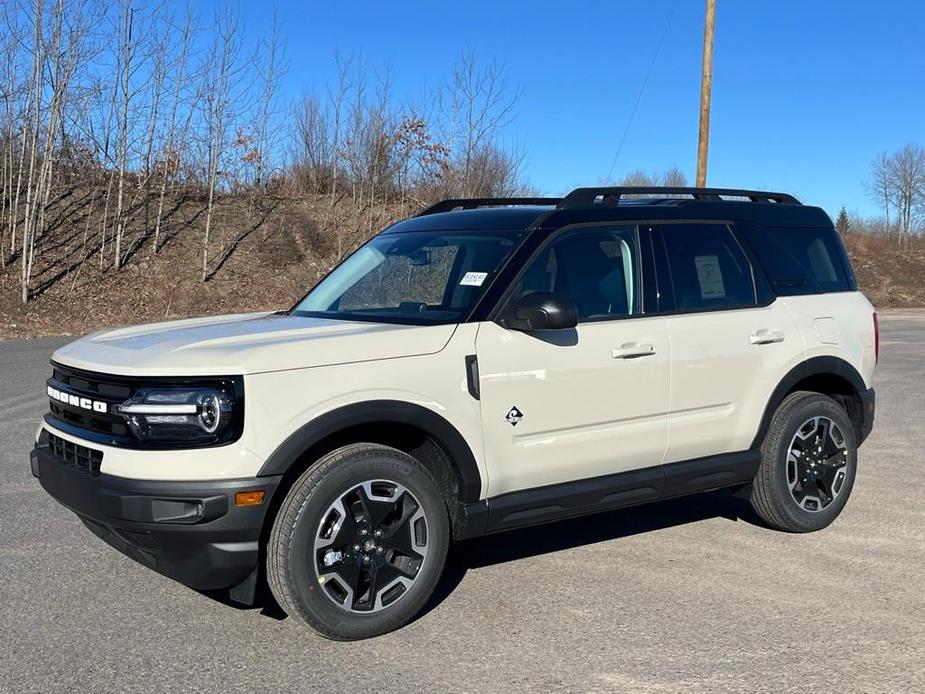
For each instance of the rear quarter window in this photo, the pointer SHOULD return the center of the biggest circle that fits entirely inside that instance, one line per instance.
(801, 260)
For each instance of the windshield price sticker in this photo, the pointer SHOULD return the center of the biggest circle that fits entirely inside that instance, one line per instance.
(473, 279)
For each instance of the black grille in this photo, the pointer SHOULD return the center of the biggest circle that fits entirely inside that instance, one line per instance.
(89, 420)
(102, 386)
(97, 387)
(76, 456)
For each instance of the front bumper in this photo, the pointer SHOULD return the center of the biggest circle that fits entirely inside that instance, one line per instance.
(190, 531)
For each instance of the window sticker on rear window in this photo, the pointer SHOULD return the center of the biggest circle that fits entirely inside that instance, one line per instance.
(709, 277)
(473, 279)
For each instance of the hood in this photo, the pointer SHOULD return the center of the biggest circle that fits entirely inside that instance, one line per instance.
(246, 344)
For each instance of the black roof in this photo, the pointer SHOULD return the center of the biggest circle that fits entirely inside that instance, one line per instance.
(767, 214)
(482, 219)
(615, 204)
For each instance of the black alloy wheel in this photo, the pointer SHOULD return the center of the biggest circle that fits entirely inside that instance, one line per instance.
(817, 461)
(370, 546)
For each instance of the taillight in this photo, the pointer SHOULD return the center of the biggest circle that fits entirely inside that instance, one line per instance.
(876, 338)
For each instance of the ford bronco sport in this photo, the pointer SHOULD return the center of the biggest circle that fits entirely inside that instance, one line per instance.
(488, 364)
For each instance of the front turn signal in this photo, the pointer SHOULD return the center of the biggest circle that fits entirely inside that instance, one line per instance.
(251, 498)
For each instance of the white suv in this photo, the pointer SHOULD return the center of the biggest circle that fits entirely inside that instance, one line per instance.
(485, 365)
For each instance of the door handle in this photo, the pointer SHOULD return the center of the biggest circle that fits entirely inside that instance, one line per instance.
(631, 350)
(766, 336)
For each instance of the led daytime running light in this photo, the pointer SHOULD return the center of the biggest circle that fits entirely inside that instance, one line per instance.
(140, 408)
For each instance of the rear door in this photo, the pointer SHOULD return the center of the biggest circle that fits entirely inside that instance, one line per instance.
(565, 405)
(730, 341)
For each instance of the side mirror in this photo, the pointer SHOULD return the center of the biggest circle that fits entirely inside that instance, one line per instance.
(544, 311)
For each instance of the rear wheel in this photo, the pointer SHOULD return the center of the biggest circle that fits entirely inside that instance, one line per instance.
(808, 465)
(359, 543)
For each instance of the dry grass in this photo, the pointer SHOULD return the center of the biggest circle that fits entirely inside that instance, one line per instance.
(272, 267)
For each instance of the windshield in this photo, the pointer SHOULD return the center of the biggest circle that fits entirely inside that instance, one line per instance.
(418, 278)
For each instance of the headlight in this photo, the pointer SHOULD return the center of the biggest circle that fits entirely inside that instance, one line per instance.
(192, 415)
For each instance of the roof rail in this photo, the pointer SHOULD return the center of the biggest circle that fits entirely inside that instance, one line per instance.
(452, 204)
(588, 197)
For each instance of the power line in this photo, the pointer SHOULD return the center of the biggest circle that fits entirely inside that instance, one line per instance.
(642, 89)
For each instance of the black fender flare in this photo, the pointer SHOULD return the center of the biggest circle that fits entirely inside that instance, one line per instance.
(815, 366)
(382, 412)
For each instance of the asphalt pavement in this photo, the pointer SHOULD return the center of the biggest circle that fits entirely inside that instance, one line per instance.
(691, 595)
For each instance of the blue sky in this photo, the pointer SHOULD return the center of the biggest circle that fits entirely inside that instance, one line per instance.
(805, 93)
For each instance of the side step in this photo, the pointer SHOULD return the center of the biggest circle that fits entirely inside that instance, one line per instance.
(596, 494)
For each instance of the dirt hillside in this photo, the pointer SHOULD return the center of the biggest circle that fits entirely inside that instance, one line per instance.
(293, 244)
(890, 277)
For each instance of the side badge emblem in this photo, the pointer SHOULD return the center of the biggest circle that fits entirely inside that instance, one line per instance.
(514, 416)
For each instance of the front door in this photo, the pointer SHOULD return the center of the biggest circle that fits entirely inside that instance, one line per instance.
(565, 405)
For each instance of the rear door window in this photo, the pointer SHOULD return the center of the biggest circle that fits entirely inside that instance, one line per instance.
(707, 269)
(800, 260)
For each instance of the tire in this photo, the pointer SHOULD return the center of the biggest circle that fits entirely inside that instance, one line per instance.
(361, 519)
(798, 488)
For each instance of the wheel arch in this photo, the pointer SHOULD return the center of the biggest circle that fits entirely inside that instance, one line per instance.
(827, 375)
(412, 428)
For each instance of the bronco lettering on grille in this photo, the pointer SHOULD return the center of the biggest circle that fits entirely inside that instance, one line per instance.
(77, 401)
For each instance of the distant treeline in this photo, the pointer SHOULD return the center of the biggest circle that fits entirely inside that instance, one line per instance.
(112, 112)
(897, 185)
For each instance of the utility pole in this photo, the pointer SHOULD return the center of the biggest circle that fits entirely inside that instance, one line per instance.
(706, 86)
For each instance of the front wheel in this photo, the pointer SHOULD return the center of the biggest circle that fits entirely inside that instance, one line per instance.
(808, 464)
(359, 542)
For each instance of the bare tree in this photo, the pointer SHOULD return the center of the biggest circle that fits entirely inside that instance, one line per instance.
(31, 131)
(419, 156)
(9, 89)
(898, 185)
(137, 48)
(168, 164)
(338, 97)
(271, 70)
(639, 178)
(378, 144)
(125, 58)
(224, 66)
(159, 40)
(881, 187)
(672, 177)
(478, 108)
(907, 171)
(313, 154)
